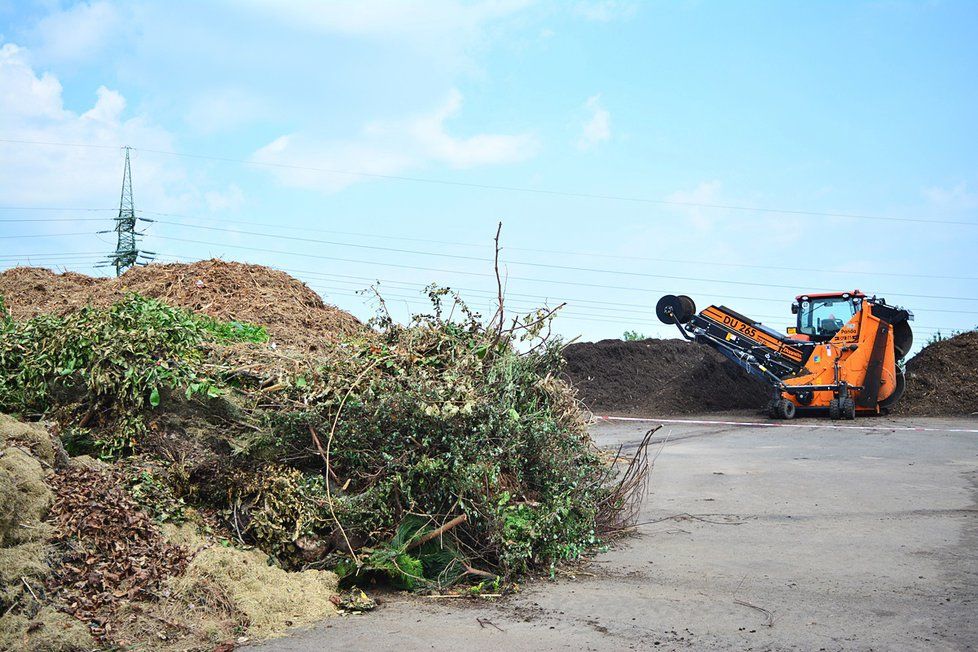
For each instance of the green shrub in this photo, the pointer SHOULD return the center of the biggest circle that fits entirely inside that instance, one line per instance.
(422, 424)
(107, 366)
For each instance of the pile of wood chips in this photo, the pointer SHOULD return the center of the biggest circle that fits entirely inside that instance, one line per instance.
(292, 312)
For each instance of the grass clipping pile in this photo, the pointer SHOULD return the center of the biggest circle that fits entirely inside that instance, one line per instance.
(245, 480)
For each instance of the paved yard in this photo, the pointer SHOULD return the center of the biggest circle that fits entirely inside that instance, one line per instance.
(800, 537)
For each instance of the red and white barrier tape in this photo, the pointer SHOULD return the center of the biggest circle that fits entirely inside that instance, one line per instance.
(785, 424)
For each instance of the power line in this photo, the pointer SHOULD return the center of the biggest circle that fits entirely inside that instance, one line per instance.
(546, 251)
(518, 189)
(469, 244)
(43, 235)
(54, 219)
(525, 263)
(643, 313)
(53, 253)
(52, 208)
(624, 317)
(59, 144)
(478, 274)
(466, 244)
(646, 320)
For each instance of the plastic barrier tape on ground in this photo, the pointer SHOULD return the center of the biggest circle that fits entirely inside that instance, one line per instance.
(761, 424)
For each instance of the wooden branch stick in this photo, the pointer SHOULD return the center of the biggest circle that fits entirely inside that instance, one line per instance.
(329, 445)
(480, 573)
(499, 285)
(24, 580)
(438, 532)
(536, 321)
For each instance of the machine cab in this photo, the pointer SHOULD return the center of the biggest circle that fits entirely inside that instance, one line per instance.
(821, 316)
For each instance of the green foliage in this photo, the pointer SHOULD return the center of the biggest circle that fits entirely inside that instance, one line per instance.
(443, 418)
(232, 331)
(447, 416)
(108, 366)
(278, 506)
(409, 564)
(149, 489)
(633, 336)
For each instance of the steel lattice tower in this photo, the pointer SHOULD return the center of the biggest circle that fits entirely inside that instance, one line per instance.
(126, 252)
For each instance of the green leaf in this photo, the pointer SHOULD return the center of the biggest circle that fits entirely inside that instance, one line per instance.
(300, 381)
(154, 397)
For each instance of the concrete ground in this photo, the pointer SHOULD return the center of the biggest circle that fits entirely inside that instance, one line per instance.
(802, 537)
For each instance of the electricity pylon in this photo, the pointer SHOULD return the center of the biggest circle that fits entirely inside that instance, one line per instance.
(126, 253)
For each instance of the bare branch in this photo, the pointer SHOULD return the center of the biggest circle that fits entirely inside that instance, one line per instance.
(500, 312)
(533, 323)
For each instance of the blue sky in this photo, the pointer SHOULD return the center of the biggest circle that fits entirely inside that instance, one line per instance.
(642, 121)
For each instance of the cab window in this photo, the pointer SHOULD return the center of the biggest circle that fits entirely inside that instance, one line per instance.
(824, 317)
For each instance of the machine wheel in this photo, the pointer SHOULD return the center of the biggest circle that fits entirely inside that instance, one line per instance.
(671, 309)
(772, 408)
(786, 409)
(834, 409)
(902, 339)
(848, 408)
(689, 306)
(901, 384)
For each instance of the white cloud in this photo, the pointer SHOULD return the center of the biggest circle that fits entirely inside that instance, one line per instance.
(78, 33)
(224, 109)
(604, 11)
(704, 208)
(429, 134)
(230, 199)
(705, 193)
(597, 128)
(22, 93)
(109, 107)
(958, 196)
(33, 110)
(390, 148)
(390, 18)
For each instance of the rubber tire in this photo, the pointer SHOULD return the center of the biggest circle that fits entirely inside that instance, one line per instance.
(689, 307)
(786, 409)
(771, 409)
(901, 386)
(902, 339)
(834, 409)
(848, 408)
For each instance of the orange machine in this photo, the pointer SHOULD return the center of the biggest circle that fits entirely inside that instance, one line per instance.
(841, 356)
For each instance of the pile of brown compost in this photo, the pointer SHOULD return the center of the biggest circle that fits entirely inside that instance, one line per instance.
(942, 379)
(659, 377)
(293, 314)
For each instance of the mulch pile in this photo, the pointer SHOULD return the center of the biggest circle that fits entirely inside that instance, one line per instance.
(112, 551)
(659, 377)
(942, 379)
(293, 313)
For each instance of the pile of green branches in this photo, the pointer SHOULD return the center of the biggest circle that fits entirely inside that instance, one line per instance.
(105, 368)
(443, 450)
